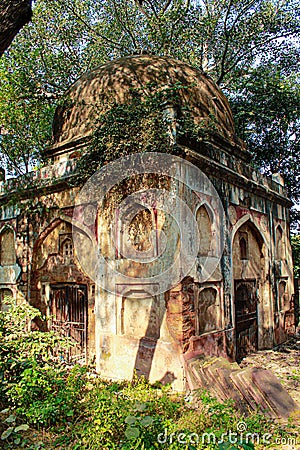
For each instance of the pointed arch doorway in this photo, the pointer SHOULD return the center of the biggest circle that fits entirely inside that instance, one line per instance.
(248, 273)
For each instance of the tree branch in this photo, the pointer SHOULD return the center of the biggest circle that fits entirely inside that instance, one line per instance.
(14, 15)
(227, 37)
(235, 59)
(102, 36)
(124, 27)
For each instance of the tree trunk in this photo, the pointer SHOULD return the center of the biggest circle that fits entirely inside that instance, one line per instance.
(14, 14)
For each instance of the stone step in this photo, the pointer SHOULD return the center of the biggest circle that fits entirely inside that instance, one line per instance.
(205, 381)
(213, 381)
(213, 373)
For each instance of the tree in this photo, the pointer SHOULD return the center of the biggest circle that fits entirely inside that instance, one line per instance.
(295, 241)
(14, 15)
(266, 106)
(25, 117)
(242, 44)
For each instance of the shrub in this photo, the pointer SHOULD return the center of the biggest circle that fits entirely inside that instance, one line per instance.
(25, 356)
(45, 395)
(83, 412)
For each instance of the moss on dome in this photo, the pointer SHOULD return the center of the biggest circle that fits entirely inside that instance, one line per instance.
(113, 82)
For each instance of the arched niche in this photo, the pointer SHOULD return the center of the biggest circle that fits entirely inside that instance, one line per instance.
(208, 311)
(7, 247)
(140, 229)
(204, 220)
(55, 247)
(248, 252)
(54, 261)
(137, 231)
(280, 245)
(243, 248)
(67, 249)
(283, 298)
(55, 240)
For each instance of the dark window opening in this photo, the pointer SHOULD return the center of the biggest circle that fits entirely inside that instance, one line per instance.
(243, 248)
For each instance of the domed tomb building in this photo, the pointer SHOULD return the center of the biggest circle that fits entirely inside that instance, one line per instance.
(159, 259)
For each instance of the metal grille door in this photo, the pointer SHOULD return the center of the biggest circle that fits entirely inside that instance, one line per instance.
(68, 308)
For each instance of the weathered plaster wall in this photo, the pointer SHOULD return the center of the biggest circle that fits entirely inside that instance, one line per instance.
(135, 326)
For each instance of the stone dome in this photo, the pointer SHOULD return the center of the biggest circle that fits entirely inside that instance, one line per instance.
(90, 94)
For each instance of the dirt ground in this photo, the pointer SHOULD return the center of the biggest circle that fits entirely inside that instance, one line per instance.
(283, 361)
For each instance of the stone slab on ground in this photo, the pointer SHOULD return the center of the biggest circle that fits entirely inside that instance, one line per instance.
(251, 393)
(250, 388)
(279, 399)
(230, 390)
(283, 361)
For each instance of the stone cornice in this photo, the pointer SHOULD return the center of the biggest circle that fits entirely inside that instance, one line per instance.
(222, 172)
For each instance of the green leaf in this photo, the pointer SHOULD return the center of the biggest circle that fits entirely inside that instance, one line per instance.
(248, 446)
(7, 433)
(10, 419)
(146, 421)
(23, 427)
(130, 420)
(140, 406)
(225, 446)
(132, 433)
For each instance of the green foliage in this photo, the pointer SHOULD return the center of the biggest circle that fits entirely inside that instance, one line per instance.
(143, 124)
(218, 36)
(13, 434)
(34, 386)
(266, 106)
(20, 348)
(85, 412)
(295, 241)
(137, 126)
(232, 41)
(25, 117)
(125, 415)
(295, 375)
(46, 395)
(137, 415)
(223, 418)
